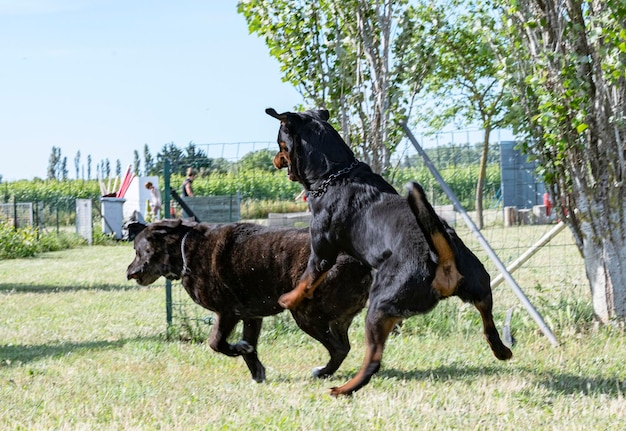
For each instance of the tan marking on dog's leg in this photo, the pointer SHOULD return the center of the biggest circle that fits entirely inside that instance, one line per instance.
(375, 344)
(304, 289)
(447, 276)
(492, 336)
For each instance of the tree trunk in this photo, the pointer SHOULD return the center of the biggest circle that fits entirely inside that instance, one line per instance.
(604, 256)
(574, 95)
(482, 174)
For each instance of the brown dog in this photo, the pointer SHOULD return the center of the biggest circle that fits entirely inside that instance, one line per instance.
(239, 271)
(418, 259)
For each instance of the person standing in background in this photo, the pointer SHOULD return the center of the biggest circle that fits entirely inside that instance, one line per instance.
(187, 184)
(155, 200)
(187, 190)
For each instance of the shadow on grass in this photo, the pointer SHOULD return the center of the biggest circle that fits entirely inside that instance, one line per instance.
(21, 354)
(555, 381)
(44, 288)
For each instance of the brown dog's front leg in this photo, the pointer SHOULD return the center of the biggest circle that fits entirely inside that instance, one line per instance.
(304, 289)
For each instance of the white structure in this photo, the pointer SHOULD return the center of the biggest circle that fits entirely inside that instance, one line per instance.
(112, 220)
(137, 195)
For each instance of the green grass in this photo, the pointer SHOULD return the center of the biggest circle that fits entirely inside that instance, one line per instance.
(81, 348)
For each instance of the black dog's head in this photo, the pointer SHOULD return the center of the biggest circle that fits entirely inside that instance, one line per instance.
(157, 252)
(308, 146)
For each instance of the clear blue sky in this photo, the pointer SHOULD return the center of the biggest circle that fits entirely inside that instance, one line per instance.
(107, 76)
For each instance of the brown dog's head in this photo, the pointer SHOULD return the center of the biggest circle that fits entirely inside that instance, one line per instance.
(308, 146)
(157, 252)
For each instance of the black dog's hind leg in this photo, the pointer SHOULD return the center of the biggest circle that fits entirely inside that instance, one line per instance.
(251, 331)
(377, 328)
(475, 288)
(492, 336)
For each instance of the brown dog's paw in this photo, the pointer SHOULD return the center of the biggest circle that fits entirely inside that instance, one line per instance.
(290, 300)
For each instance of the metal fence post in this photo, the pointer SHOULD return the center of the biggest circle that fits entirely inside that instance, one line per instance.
(15, 223)
(166, 209)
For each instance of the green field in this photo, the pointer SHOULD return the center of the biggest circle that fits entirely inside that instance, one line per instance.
(81, 348)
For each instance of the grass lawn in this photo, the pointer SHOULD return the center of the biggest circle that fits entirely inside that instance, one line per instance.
(82, 348)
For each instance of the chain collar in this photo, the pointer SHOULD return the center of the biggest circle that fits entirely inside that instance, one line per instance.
(185, 270)
(332, 177)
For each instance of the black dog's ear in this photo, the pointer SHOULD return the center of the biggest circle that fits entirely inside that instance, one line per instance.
(324, 114)
(272, 113)
(318, 114)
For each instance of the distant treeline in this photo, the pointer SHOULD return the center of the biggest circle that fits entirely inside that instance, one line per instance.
(256, 184)
(254, 179)
(193, 156)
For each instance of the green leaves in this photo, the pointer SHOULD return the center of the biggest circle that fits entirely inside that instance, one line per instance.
(361, 59)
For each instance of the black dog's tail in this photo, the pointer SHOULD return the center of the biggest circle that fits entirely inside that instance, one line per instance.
(447, 276)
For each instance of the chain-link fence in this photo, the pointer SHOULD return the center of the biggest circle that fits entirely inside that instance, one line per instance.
(19, 215)
(555, 269)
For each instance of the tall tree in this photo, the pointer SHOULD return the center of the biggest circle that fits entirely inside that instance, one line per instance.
(351, 57)
(136, 162)
(88, 166)
(465, 82)
(77, 164)
(174, 155)
(568, 74)
(64, 173)
(196, 158)
(148, 161)
(54, 164)
(118, 168)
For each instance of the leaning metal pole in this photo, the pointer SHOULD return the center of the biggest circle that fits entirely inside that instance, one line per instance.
(481, 239)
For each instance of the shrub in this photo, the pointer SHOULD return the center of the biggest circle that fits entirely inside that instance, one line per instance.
(27, 242)
(59, 241)
(16, 243)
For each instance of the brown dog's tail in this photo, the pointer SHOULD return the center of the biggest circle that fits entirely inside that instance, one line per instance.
(447, 276)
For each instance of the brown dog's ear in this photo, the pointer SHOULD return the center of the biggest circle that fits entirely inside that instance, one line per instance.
(272, 113)
(168, 223)
(165, 226)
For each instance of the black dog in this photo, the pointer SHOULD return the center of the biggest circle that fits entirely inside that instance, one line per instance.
(419, 260)
(239, 271)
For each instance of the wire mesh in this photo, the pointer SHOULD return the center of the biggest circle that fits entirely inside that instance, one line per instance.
(555, 271)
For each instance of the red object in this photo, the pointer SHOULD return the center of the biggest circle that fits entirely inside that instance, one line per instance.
(125, 182)
(547, 203)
